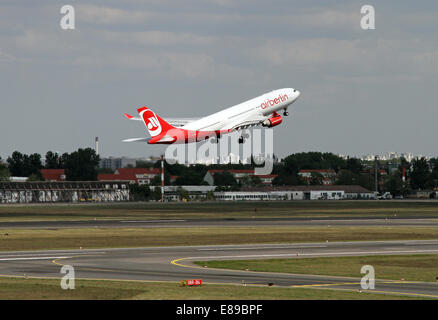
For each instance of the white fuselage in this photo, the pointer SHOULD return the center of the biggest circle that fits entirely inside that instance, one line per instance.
(247, 113)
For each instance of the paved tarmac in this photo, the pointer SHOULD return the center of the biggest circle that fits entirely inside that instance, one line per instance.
(391, 220)
(175, 264)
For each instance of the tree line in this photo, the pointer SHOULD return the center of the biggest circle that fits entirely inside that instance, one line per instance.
(80, 165)
(420, 173)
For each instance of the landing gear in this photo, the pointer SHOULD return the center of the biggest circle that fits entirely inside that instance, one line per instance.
(243, 137)
(216, 138)
(285, 113)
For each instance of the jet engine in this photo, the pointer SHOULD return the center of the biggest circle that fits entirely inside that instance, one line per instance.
(272, 122)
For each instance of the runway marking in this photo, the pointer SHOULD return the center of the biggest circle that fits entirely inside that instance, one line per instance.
(150, 221)
(41, 254)
(31, 258)
(403, 293)
(353, 253)
(322, 284)
(385, 292)
(350, 283)
(258, 248)
(214, 283)
(326, 285)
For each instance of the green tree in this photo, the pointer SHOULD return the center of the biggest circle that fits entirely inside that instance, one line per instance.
(394, 184)
(144, 164)
(313, 160)
(255, 181)
(420, 173)
(34, 177)
(224, 178)
(23, 165)
(433, 178)
(190, 178)
(139, 192)
(52, 160)
(156, 194)
(347, 177)
(105, 171)
(16, 164)
(316, 179)
(354, 165)
(156, 181)
(210, 196)
(81, 165)
(183, 194)
(4, 171)
(287, 180)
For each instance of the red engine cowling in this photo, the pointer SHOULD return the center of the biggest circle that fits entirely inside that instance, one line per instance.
(272, 122)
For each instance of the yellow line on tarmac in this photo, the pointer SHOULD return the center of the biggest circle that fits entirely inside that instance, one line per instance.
(347, 283)
(403, 293)
(55, 261)
(176, 262)
(323, 284)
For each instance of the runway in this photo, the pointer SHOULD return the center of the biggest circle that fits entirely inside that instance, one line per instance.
(175, 264)
(391, 220)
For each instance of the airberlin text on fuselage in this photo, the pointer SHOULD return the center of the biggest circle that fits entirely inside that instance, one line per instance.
(273, 102)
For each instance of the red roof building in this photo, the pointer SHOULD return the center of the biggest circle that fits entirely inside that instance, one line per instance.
(240, 175)
(53, 174)
(328, 175)
(133, 175)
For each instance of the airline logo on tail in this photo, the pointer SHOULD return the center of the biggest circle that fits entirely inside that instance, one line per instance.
(151, 121)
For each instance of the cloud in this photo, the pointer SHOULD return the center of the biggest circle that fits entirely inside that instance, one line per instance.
(108, 15)
(157, 38)
(384, 57)
(6, 57)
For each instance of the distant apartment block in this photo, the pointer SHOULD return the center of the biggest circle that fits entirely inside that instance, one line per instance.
(115, 163)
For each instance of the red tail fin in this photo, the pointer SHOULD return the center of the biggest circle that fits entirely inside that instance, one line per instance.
(153, 122)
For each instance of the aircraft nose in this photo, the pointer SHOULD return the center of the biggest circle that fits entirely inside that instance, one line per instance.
(297, 93)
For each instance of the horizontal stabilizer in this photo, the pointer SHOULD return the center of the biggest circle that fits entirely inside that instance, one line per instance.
(131, 117)
(176, 122)
(137, 140)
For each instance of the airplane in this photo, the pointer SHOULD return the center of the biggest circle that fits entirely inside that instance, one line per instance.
(261, 110)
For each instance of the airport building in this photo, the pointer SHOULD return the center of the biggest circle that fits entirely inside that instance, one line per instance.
(321, 192)
(71, 191)
(317, 192)
(173, 193)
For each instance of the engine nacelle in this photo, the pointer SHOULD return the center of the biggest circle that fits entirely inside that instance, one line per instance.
(272, 122)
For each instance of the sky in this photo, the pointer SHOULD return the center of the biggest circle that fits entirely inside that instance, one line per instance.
(362, 91)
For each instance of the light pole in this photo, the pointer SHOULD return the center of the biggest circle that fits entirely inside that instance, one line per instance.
(162, 178)
(376, 168)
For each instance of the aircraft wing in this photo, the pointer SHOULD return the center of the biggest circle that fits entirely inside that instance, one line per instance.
(176, 122)
(244, 123)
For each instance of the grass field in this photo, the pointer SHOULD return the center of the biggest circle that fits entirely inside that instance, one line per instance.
(34, 239)
(47, 289)
(392, 267)
(193, 210)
